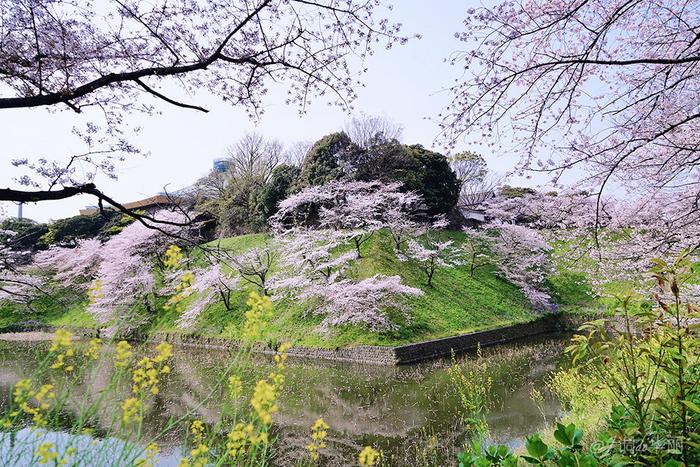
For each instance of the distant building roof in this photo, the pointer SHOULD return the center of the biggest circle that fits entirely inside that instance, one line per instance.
(153, 201)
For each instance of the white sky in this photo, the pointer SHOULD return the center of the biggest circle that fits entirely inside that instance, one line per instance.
(403, 84)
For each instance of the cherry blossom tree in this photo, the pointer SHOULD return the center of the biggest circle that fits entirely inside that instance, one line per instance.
(123, 57)
(429, 254)
(364, 301)
(311, 257)
(209, 285)
(315, 269)
(75, 266)
(356, 208)
(124, 277)
(254, 265)
(608, 88)
(474, 252)
(522, 256)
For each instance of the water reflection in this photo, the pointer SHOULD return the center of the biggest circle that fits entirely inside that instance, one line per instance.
(406, 410)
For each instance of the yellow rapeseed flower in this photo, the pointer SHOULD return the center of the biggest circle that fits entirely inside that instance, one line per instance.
(131, 410)
(235, 386)
(123, 354)
(149, 456)
(197, 430)
(173, 257)
(46, 453)
(93, 349)
(318, 437)
(264, 401)
(369, 456)
(242, 436)
(165, 351)
(66, 459)
(200, 456)
(31, 402)
(258, 313)
(62, 347)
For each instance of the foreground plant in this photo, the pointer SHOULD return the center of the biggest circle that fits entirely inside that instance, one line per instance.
(647, 360)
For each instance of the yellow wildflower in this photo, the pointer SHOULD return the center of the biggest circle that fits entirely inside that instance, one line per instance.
(258, 313)
(369, 456)
(242, 436)
(200, 456)
(124, 353)
(173, 257)
(46, 453)
(165, 351)
(184, 462)
(62, 339)
(235, 386)
(24, 394)
(131, 410)
(197, 430)
(281, 355)
(93, 349)
(263, 401)
(182, 290)
(318, 437)
(149, 456)
(66, 459)
(62, 347)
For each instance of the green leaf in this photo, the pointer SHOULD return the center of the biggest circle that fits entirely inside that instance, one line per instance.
(536, 447)
(691, 405)
(562, 434)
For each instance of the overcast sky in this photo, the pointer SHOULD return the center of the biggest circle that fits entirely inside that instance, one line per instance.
(404, 84)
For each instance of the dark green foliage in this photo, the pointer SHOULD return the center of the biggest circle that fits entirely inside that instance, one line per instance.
(237, 212)
(116, 223)
(432, 177)
(387, 162)
(26, 233)
(277, 188)
(426, 172)
(570, 453)
(67, 231)
(325, 160)
(516, 191)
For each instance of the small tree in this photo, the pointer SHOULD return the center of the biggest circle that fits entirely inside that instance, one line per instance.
(360, 302)
(430, 254)
(367, 131)
(354, 208)
(523, 258)
(474, 251)
(254, 265)
(209, 284)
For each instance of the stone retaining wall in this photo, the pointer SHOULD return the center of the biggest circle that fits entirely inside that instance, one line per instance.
(428, 350)
(366, 354)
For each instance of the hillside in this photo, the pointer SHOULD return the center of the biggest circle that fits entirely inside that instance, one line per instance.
(455, 304)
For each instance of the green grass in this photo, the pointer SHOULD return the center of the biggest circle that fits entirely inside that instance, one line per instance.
(455, 304)
(62, 308)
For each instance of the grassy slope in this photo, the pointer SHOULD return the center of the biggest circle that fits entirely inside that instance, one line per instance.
(62, 308)
(457, 303)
